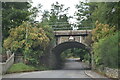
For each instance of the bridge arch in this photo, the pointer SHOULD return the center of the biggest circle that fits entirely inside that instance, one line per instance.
(68, 45)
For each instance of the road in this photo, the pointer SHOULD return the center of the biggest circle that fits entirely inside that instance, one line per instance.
(71, 69)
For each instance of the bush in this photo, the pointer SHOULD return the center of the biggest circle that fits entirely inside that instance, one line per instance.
(106, 51)
(29, 40)
(87, 57)
(101, 31)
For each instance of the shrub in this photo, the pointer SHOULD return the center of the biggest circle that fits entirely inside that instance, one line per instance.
(29, 40)
(106, 51)
(102, 31)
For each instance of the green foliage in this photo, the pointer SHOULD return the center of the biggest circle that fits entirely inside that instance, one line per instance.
(76, 52)
(67, 54)
(107, 13)
(104, 12)
(106, 51)
(31, 41)
(89, 40)
(47, 30)
(57, 17)
(105, 46)
(0, 50)
(13, 14)
(97, 54)
(79, 53)
(82, 53)
(86, 57)
(84, 14)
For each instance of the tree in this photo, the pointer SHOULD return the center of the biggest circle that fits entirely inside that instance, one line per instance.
(106, 51)
(84, 14)
(104, 12)
(102, 31)
(105, 46)
(107, 13)
(47, 30)
(45, 17)
(14, 13)
(58, 16)
(28, 40)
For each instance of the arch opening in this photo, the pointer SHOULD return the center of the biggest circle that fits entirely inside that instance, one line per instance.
(57, 51)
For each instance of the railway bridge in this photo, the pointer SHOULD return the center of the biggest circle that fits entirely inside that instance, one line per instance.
(67, 39)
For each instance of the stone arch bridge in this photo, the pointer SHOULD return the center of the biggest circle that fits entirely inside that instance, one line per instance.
(67, 39)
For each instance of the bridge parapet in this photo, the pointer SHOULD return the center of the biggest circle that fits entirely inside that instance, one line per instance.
(77, 35)
(72, 32)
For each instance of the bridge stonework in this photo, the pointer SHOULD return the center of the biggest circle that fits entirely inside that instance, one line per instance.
(80, 39)
(67, 39)
(71, 35)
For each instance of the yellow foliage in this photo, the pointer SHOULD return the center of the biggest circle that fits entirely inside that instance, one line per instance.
(26, 36)
(101, 31)
(7, 42)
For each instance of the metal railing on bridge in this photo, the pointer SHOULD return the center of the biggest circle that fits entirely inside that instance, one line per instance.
(66, 26)
(80, 28)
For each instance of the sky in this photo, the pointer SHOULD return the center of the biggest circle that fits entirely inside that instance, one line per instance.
(46, 5)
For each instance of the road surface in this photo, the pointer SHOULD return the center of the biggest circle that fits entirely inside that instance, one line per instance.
(71, 69)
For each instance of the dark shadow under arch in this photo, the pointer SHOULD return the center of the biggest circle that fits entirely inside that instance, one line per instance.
(67, 45)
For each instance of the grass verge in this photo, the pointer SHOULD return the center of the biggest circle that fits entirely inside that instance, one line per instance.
(21, 67)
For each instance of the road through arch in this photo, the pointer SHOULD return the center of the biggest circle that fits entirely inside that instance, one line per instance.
(67, 45)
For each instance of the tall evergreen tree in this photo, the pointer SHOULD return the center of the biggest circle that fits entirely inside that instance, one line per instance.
(84, 14)
(58, 16)
(107, 13)
(104, 12)
(14, 13)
